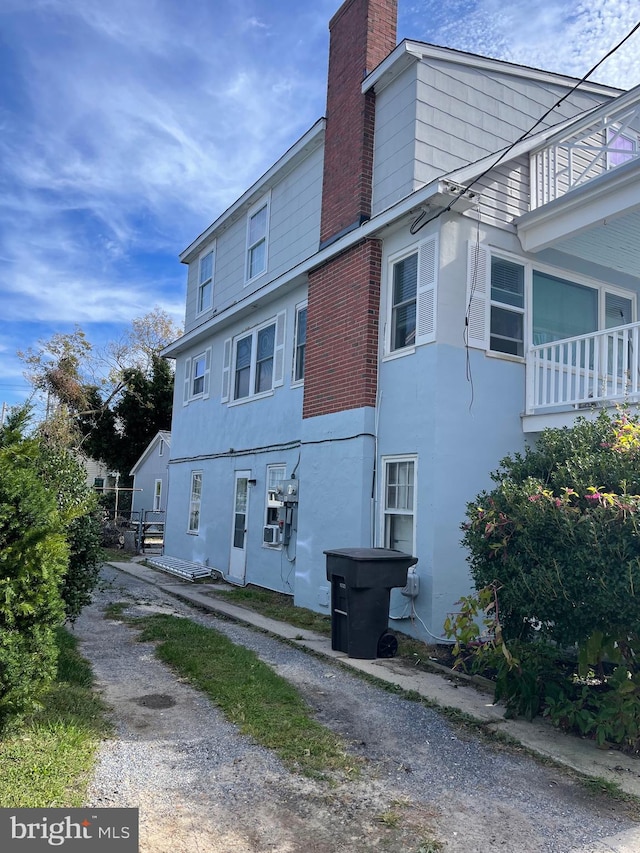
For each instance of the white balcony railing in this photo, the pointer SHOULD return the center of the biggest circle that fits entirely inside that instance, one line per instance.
(602, 141)
(595, 369)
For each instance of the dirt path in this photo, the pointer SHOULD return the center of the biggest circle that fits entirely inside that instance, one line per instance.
(200, 786)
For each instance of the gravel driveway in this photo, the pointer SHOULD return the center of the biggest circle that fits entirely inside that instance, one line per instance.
(203, 787)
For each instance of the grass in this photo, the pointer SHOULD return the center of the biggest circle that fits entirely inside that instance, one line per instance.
(115, 555)
(275, 605)
(250, 694)
(46, 762)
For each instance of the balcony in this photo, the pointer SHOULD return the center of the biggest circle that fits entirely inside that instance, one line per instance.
(570, 376)
(585, 189)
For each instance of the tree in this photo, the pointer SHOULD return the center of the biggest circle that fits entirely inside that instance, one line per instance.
(109, 404)
(33, 558)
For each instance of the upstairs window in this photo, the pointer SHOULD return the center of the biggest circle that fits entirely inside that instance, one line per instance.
(300, 344)
(412, 298)
(257, 234)
(199, 365)
(507, 307)
(157, 496)
(197, 371)
(205, 281)
(403, 307)
(253, 363)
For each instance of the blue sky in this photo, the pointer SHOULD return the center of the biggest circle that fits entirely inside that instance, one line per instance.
(128, 126)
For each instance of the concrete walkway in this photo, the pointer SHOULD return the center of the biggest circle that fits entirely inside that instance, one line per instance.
(540, 737)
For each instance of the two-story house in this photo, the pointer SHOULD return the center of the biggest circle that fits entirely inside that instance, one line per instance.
(418, 286)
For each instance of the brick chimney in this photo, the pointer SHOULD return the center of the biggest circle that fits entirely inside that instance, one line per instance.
(362, 34)
(341, 361)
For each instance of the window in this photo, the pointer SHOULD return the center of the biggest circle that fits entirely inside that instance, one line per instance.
(98, 484)
(253, 363)
(157, 495)
(558, 308)
(199, 364)
(300, 344)
(412, 290)
(197, 371)
(205, 281)
(403, 308)
(507, 307)
(275, 476)
(562, 309)
(161, 447)
(399, 504)
(257, 232)
(194, 503)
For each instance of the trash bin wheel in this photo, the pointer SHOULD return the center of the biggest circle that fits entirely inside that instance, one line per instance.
(387, 646)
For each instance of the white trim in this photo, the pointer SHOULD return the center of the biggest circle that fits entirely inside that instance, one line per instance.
(195, 530)
(384, 461)
(157, 495)
(295, 383)
(262, 204)
(278, 323)
(210, 250)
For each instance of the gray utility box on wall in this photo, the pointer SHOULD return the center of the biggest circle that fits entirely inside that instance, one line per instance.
(361, 583)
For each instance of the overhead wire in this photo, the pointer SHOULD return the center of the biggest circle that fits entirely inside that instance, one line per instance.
(418, 224)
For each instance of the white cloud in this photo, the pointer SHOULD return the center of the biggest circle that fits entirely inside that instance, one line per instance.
(556, 35)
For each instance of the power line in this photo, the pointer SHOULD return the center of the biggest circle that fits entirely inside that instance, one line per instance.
(417, 225)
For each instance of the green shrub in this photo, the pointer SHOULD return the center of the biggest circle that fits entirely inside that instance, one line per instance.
(559, 535)
(33, 559)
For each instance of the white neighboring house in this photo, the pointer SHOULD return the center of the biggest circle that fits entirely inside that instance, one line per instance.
(97, 472)
(410, 293)
(151, 477)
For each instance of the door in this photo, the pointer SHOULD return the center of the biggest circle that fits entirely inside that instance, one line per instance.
(238, 558)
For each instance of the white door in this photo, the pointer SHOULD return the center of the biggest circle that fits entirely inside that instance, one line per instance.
(238, 558)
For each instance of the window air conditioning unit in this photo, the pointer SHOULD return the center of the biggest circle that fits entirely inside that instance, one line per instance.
(271, 534)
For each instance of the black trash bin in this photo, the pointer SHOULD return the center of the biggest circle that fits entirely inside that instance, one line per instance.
(361, 583)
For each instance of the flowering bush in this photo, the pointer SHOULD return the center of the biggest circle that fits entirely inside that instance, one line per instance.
(560, 533)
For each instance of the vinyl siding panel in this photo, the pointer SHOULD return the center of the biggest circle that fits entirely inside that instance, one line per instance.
(294, 234)
(394, 142)
(463, 114)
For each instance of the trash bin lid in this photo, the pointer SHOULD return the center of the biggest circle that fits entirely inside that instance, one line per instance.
(368, 554)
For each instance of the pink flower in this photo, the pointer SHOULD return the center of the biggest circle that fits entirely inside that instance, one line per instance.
(533, 498)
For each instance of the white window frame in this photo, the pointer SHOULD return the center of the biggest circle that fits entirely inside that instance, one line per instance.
(393, 263)
(157, 495)
(197, 368)
(229, 368)
(198, 372)
(161, 447)
(195, 503)
(275, 475)
(385, 510)
(508, 307)
(257, 240)
(426, 295)
(299, 348)
(479, 302)
(205, 284)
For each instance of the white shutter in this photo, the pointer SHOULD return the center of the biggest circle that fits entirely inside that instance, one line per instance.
(426, 291)
(207, 372)
(278, 355)
(187, 382)
(478, 301)
(226, 370)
